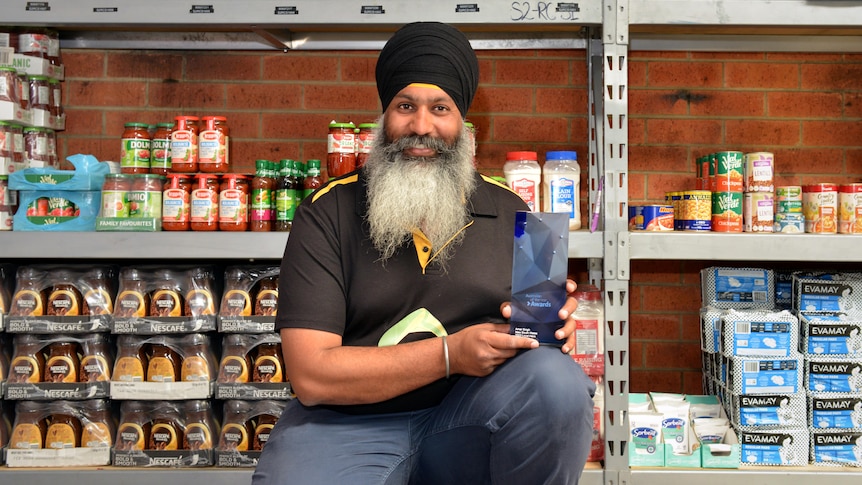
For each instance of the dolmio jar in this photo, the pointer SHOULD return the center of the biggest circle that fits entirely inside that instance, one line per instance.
(184, 144)
(205, 198)
(176, 202)
(135, 152)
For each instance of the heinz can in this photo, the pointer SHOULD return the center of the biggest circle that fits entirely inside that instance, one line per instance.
(759, 171)
(758, 212)
(820, 208)
(727, 211)
(850, 209)
(728, 172)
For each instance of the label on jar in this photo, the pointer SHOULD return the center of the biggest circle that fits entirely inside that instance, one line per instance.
(60, 435)
(25, 368)
(63, 303)
(96, 435)
(231, 207)
(27, 303)
(129, 369)
(60, 368)
(183, 147)
(234, 368)
(236, 303)
(95, 368)
(135, 153)
(175, 205)
(266, 303)
(166, 303)
(204, 206)
(234, 437)
(160, 154)
(261, 205)
(161, 369)
(261, 435)
(145, 203)
(131, 303)
(164, 437)
(115, 203)
(131, 436)
(342, 142)
(195, 369)
(199, 302)
(99, 301)
(26, 436)
(198, 437)
(212, 147)
(267, 368)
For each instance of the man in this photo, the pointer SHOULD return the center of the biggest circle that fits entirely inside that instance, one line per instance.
(392, 313)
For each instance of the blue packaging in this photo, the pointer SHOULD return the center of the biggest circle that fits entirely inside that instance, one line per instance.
(835, 410)
(539, 272)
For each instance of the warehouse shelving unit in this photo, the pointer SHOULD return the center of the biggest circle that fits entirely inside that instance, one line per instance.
(608, 29)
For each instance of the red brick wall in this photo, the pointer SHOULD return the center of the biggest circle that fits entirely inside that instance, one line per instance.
(805, 108)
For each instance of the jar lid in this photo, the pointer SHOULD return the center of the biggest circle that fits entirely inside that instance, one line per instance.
(136, 125)
(148, 176)
(217, 118)
(167, 124)
(179, 176)
(39, 78)
(367, 126)
(336, 124)
(522, 156)
(187, 118)
(314, 163)
(561, 155)
(122, 176)
(8, 68)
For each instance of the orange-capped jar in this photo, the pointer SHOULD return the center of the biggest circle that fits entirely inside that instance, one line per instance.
(213, 145)
(204, 208)
(176, 202)
(233, 202)
(184, 144)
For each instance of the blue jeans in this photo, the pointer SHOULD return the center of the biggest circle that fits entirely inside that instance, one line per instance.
(530, 422)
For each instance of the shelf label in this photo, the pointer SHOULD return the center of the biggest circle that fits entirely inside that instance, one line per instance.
(106, 9)
(544, 11)
(467, 8)
(38, 7)
(202, 9)
(372, 10)
(287, 10)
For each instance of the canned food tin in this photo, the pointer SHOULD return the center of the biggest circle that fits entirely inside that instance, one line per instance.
(727, 211)
(758, 212)
(651, 218)
(788, 192)
(674, 199)
(728, 172)
(820, 208)
(759, 172)
(695, 212)
(788, 206)
(850, 209)
(789, 223)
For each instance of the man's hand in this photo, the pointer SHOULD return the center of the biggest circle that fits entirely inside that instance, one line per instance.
(478, 349)
(567, 332)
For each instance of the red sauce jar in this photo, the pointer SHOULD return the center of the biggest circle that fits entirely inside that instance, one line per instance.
(145, 198)
(233, 203)
(40, 93)
(9, 90)
(18, 155)
(184, 144)
(135, 153)
(341, 149)
(176, 202)
(364, 142)
(263, 187)
(115, 195)
(34, 42)
(204, 202)
(24, 90)
(212, 145)
(160, 149)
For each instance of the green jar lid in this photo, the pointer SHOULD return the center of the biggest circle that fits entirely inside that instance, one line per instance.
(314, 163)
(136, 125)
(368, 125)
(8, 68)
(167, 124)
(39, 78)
(336, 124)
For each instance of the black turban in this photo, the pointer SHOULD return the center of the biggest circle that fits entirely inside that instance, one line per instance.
(429, 53)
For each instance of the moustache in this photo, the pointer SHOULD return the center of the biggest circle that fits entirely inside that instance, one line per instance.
(439, 145)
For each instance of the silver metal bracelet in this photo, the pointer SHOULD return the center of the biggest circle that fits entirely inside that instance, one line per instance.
(446, 355)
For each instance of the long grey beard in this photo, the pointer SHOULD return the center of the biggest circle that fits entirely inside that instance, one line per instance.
(406, 193)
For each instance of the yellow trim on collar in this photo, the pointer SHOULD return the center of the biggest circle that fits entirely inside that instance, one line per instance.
(326, 188)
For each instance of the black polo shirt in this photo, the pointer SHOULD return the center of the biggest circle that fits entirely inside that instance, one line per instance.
(332, 279)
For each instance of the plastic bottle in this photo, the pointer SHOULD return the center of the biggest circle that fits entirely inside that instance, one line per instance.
(562, 185)
(589, 335)
(524, 176)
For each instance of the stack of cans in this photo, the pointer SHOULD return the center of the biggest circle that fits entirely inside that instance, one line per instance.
(788, 210)
(759, 196)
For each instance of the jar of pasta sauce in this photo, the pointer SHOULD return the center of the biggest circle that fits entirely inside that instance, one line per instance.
(145, 198)
(18, 151)
(24, 90)
(36, 147)
(364, 142)
(56, 97)
(34, 42)
(341, 149)
(160, 149)
(9, 90)
(176, 202)
(40, 93)
(184, 144)
(233, 203)
(212, 145)
(115, 195)
(204, 209)
(7, 143)
(135, 152)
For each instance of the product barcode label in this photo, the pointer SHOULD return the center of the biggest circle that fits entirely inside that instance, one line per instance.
(753, 366)
(743, 327)
(758, 295)
(6, 55)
